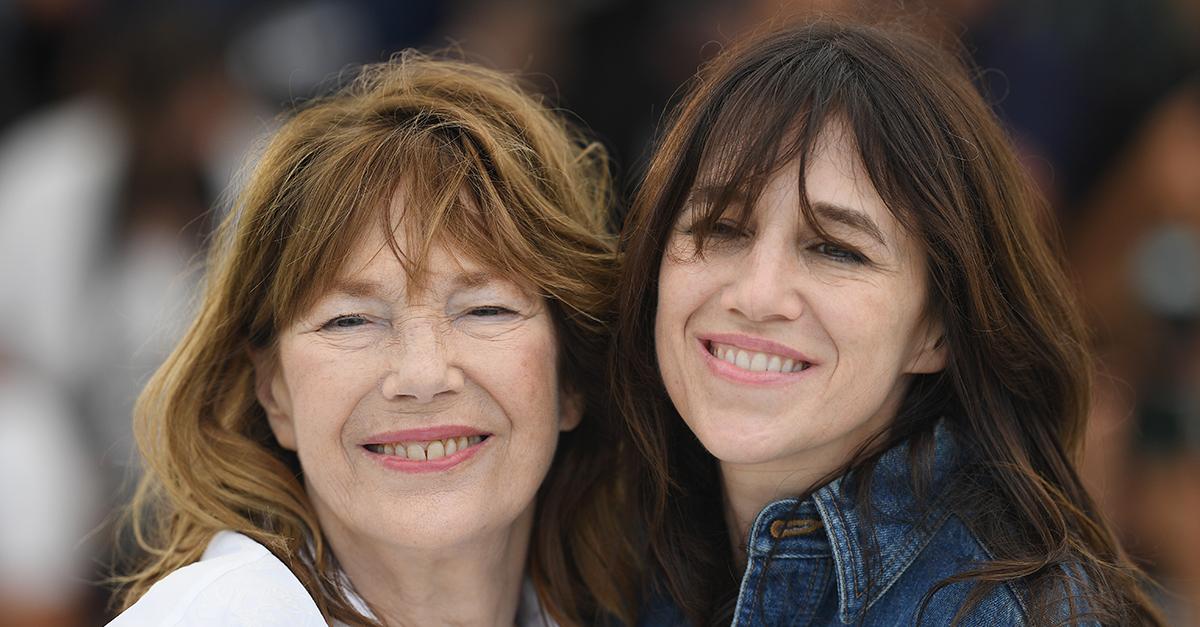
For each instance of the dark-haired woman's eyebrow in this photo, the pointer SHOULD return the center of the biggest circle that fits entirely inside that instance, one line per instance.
(708, 194)
(854, 219)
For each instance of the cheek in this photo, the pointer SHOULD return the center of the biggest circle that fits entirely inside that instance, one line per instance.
(521, 375)
(681, 295)
(326, 387)
(682, 291)
(872, 332)
(669, 319)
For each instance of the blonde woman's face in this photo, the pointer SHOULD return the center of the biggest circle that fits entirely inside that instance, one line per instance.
(426, 417)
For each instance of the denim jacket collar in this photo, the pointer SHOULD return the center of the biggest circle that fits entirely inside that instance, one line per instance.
(902, 526)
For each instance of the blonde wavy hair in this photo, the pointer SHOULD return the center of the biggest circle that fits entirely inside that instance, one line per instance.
(488, 169)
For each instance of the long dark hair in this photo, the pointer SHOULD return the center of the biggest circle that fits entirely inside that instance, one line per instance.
(1015, 392)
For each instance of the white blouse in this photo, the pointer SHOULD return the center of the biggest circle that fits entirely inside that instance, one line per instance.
(238, 582)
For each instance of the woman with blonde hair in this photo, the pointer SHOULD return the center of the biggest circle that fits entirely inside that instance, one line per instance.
(385, 411)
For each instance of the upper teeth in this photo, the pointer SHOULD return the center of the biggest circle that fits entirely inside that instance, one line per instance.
(754, 361)
(427, 449)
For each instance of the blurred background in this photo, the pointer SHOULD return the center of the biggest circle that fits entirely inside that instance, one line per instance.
(124, 128)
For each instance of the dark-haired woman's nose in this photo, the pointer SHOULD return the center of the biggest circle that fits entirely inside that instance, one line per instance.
(420, 369)
(763, 285)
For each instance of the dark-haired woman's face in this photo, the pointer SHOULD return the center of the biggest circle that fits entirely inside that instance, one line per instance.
(780, 348)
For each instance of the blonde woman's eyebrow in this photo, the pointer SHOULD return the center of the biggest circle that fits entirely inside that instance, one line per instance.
(357, 288)
(467, 282)
(471, 280)
(454, 282)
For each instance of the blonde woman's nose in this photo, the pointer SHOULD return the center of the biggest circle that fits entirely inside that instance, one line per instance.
(420, 366)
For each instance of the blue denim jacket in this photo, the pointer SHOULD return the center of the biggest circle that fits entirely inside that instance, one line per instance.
(819, 574)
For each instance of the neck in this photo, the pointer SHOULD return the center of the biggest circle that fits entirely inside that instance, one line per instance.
(748, 488)
(475, 583)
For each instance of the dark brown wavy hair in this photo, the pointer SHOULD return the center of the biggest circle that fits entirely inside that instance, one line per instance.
(494, 172)
(1015, 392)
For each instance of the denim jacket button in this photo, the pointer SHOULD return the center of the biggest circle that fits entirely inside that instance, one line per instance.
(781, 528)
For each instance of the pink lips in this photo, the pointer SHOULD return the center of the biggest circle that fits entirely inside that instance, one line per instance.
(425, 434)
(730, 372)
(756, 344)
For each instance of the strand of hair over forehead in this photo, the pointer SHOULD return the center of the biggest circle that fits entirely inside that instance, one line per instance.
(440, 91)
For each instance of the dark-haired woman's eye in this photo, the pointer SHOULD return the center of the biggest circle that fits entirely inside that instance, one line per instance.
(838, 254)
(726, 229)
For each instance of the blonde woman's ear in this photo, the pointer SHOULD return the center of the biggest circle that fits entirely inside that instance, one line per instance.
(272, 392)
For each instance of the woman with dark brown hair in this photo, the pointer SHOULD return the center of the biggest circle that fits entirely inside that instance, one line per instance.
(849, 358)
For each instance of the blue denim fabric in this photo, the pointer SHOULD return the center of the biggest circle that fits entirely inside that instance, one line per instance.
(820, 574)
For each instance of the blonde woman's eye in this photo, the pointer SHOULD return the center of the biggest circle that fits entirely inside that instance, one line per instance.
(490, 311)
(348, 321)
